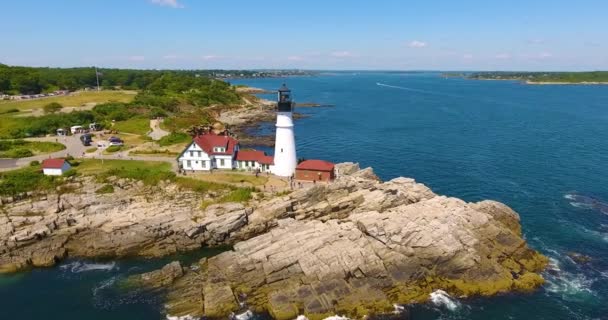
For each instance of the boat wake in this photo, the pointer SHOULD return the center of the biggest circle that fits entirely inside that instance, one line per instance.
(416, 90)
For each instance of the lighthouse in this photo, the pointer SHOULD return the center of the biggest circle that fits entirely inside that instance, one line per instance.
(285, 160)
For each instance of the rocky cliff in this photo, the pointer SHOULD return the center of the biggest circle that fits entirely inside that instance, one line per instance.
(353, 247)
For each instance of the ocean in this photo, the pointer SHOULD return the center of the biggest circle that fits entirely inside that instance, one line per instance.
(541, 149)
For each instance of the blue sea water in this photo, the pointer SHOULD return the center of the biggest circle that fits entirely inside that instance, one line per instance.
(543, 150)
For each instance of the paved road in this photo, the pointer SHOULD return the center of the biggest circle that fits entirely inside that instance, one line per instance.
(75, 148)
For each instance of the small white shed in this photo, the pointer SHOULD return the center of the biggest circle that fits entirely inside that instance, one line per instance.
(55, 167)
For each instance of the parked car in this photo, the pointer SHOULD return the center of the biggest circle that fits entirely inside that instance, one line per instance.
(86, 139)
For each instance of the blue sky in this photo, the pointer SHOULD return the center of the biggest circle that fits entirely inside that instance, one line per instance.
(312, 34)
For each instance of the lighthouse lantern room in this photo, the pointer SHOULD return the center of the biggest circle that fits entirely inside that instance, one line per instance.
(285, 160)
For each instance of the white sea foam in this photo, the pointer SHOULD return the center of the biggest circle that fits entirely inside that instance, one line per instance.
(77, 266)
(186, 317)
(442, 298)
(103, 285)
(336, 317)
(244, 316)
(398, 309)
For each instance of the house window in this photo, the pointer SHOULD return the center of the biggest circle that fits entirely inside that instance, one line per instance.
(199, 154)
(188, 163)
(204, 164)
(221, 162)
(192, 153)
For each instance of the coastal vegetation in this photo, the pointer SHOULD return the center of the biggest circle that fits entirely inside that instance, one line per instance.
(22, 148)
(28, 179)
(543, 77)
(181, 97)
(75, 99)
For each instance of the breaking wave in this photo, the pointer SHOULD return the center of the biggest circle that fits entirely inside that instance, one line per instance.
(587, 202)
(301, 317)
(78, 266)
(186, 317)
(571, 286)
(441, 298)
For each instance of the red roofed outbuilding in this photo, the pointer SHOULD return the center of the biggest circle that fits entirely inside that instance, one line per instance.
(315, 170)
(253, 159)
(55, 167)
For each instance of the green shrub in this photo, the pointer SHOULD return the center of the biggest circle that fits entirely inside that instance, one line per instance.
(238, 195)
(18, 153)
(70, 173)
(107, 188)
(112, 149)
(34, 163)
(91, 150)
(13, 110)
(52, 107)
(27, 179)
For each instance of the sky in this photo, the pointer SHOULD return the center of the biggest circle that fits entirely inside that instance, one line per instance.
(535, 35)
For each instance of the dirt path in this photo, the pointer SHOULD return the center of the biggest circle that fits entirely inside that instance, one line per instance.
(157, 133)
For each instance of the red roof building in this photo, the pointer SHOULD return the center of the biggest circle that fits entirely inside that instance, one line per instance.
(315, 170)
(55, 167)
(53, 163)
(254, 155)
(214, 144)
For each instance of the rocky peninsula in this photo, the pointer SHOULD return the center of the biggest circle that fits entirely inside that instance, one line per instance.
(354, 247)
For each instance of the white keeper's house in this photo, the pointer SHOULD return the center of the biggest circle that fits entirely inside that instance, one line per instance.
(221, 151)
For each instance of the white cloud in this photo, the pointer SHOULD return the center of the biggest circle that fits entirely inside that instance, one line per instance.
(417, 44)
(341, 54)
(544, 55)
(295, 58)
(503, 56)
(535, 41)
(136, 58)
(467, 56)
(210, 57)
(168, 3)
(171, 57)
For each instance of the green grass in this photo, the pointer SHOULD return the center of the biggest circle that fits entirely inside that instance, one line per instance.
(139, 126)
(112, 149)
(174, 138)
(150, 172)
(91, 150)
(75, 100)
(151, 152)
(27, 179)
(22, 148)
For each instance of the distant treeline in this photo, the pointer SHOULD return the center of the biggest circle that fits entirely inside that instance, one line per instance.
(566, 77)
(29, 80)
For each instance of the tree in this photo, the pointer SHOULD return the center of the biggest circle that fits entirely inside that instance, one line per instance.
(52, 107)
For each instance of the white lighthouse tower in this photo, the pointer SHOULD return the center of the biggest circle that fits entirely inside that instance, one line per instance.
(285, 160)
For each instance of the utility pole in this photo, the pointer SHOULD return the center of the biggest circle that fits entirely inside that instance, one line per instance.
(97, 76)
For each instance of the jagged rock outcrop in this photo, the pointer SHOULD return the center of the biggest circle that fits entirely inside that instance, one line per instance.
(355, 246)
(135, 220)
(358, 246)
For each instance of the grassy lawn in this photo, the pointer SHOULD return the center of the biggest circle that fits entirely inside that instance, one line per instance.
(74, 100)
(153, 153)
(174, 138)
(233, 178)
(139, 126)
(97, 166)
(22, 148)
